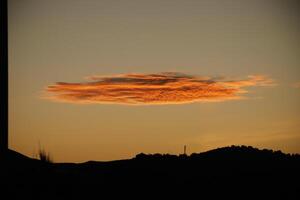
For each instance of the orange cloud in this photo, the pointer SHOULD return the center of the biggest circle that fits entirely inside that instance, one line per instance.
(161, 88)
(296, 85)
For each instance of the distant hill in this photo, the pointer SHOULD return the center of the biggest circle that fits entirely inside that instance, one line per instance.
(224, 172)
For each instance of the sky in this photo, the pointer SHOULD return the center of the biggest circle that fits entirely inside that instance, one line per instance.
(106, 80)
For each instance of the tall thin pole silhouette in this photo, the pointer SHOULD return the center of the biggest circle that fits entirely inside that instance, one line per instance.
(184, 150)
(4, 78)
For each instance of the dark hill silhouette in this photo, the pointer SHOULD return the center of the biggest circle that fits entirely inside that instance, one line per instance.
(236, 172)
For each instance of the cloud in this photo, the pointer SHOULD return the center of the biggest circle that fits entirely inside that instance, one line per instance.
(160, 88)
(296, 85)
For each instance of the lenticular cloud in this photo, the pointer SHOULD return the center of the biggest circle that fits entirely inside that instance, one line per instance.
(160, 88)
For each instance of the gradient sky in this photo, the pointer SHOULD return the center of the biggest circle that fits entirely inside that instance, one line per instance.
(66, 41)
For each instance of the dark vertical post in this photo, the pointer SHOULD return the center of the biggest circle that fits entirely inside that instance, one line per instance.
(184, 151)
(4, 78)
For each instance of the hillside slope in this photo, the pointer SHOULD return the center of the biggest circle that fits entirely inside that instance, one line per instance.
(224, 172)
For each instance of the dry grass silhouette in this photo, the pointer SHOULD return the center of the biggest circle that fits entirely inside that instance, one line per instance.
(44, 156)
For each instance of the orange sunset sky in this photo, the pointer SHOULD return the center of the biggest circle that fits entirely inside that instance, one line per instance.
(105, 80)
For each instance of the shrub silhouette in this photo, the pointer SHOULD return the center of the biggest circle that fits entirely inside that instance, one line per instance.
(44, 156)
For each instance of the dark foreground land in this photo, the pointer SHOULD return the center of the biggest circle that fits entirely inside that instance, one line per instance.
(238, 172)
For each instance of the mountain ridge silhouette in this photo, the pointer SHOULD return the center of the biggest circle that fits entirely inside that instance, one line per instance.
(227, 171)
